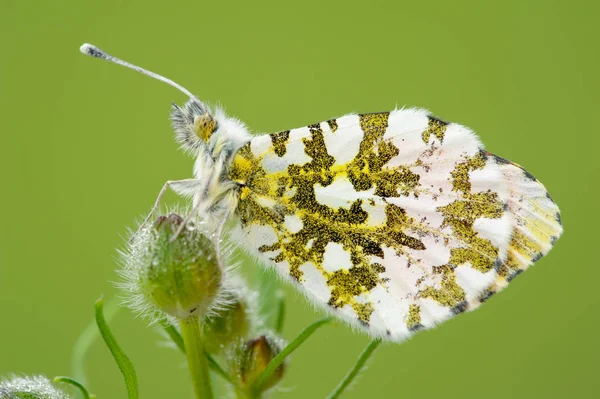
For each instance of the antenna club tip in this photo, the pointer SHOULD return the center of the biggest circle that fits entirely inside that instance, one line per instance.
(91, 50)
(85, 48)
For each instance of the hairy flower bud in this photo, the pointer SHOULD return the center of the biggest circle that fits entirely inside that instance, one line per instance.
(178, 277)
(252, 358)
(36, 387)
(231, 323)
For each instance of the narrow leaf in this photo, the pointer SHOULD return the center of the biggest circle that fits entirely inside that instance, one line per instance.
(68, 380)
(216, 367)
(85, 340)
(362, 359)
(174, 335)
(280, 312)
(292, 346)
(120, 357)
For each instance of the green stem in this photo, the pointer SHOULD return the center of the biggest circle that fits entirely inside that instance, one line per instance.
(212, 362)
(364, 356)
(191, 331)
(247, 394)
(281, 356)
(72, 381)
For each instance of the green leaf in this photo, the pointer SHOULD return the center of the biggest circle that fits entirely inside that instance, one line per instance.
(362, 359)
(120, 357)
(85, 341)
(292, 346)
(68, 380)
(174, 335)
(280, 312)
(216, 367)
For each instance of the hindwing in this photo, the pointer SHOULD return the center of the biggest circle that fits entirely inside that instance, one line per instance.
(396, 220)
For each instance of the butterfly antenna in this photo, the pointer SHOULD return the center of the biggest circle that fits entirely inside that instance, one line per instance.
(93, 51)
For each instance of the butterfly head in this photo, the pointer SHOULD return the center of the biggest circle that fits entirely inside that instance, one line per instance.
(193, 123)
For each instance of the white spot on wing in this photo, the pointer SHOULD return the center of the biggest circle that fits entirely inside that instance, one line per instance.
(295, 147)
(336, 258)
(340, 193)
(264, 201)
(403, 121)
(403, 280)
(422, 207)
(343, 145)
(404, 130)
(293, 223)
(294, 153)
(376, 212)
(472, 281)
(498, 231)
(261, 235)
(432, 312)
(259, 145)
(460, 139)
(489, 178)
(314, 281)
(391, 311)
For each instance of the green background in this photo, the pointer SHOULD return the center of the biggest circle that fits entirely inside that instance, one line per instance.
(85, 147)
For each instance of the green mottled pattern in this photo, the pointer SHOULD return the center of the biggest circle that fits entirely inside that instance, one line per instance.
(293, 193)
(323, 224)
(279, 141)
(436, 128)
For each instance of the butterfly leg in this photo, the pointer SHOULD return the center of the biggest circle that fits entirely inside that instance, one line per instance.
(189, 217)
(184, 187)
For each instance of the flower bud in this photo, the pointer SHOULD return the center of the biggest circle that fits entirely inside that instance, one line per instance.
(179, 277)
(229, 324)
(37, 387)
(253, 358)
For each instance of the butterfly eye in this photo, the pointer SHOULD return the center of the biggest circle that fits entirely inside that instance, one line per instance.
(204, 126)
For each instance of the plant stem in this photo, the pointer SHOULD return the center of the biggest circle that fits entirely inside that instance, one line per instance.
(191, 331)
(212, 363)
(364, 356)
(247, 394)
(281, 356)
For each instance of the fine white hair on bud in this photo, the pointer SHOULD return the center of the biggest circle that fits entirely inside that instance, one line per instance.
(176, 279)
(35, 387)
(235, 319)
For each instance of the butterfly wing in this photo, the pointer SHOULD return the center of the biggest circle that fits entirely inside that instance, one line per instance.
(395, 221)
(537, 222)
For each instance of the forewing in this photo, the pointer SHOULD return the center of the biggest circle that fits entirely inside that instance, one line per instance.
(395, 220)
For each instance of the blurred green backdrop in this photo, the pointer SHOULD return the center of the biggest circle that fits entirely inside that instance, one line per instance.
(86, 146)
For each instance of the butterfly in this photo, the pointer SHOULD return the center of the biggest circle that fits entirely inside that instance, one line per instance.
(393, 221)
